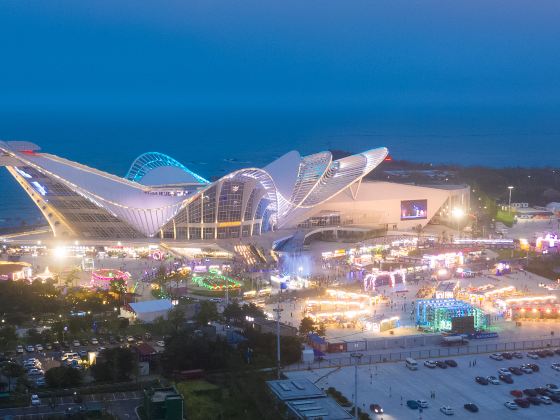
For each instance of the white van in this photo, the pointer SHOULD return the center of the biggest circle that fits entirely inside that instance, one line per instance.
(411, 364)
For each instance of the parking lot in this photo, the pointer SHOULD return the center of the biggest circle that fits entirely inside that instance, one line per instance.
(392, 384)
(122, 404)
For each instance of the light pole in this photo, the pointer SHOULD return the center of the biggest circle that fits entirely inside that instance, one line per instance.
(357, 357)
(278, 311)
(509, 201)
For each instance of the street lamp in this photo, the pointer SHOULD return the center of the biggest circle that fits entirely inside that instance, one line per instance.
(357, 357)
(509, 201)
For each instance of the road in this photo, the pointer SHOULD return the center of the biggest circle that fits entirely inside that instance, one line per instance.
(121, 404)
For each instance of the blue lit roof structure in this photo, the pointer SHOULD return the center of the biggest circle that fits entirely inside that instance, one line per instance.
(147, 162)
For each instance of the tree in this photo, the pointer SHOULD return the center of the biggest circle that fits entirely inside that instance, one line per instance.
(184, 352)
(419, 229)
(114, 365)
(63, 377)
(72, 277)
(8, 337)
(306, 326)
(233, 311)
(10, 371)
(207, 312)
(252, 310)
(176, 318)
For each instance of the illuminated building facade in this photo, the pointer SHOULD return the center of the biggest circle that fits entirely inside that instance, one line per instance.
(160, 197)
(449, 315)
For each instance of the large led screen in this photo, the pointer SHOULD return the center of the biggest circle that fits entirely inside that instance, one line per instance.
(414, 209)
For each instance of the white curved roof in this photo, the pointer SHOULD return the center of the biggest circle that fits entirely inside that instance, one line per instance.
(284, 171)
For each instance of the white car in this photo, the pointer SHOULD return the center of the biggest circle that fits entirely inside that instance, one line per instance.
(504, 371)
(448, 411)
(130, 339)
(526, 369)
(30, 348)
(160, 343)
(496, 356)
(94, 341)
(544, 399)
(430, 364)
(19, 349)
(35, 400)
(511, 405)
(553, 388)
(555, 366)
(35, 372)
(39, 347)
(493, 380)
(76, 343)
(532, 355)
(422, 403)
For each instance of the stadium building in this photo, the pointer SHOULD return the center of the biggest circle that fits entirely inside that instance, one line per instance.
(161, 198)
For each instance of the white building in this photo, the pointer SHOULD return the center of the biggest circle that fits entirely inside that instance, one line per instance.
(148, 310)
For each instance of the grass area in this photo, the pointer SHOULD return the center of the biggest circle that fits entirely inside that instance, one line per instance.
(506, 217)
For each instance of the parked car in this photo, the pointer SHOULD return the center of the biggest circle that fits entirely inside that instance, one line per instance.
(544, 399)
(130, 339)
(19, 349)
(422, 403)
(412, 404)
(532, 355)
(39, 347)
(504, 371)
(552, 387)
(517, 355)
(94, 341)
(516, 393)
(506, 378)
(534, 400)
(441, 364)
(30, 348)
(451, 363)
(48, 346)
(496, 356)
(376, 408)
(76, 343)
(430, 364)
(35, 400)
(507, 355)
(530, 392)
(493, 380)
(522, 402)
(526, 369)
(515, 370)
(471, 407)
(481, 380)
(534, 367)
(511, 405)
(40, 382)
(555, 398)
(448, 411)
(542, 391)
(555, 366)
(160, 343)
(557, 351)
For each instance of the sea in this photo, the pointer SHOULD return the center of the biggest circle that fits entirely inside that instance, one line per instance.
(213, 143)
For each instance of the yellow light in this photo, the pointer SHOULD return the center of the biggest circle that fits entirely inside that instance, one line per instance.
(458, 213)
(534, 310)
(548, 311)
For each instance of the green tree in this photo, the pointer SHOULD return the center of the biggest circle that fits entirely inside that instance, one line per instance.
(233, 311)
(63, 377)
(8, 337)
(12, 371)
(176, 319)
(184, 352)
(71, 278)
(207, 312)
(306, 326)
(114, 365)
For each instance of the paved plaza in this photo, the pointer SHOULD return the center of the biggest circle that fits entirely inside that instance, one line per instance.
(392, 384)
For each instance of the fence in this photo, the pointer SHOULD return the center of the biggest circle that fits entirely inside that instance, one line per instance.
(368, 359)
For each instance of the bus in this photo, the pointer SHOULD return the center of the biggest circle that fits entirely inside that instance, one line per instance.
(411, 364)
